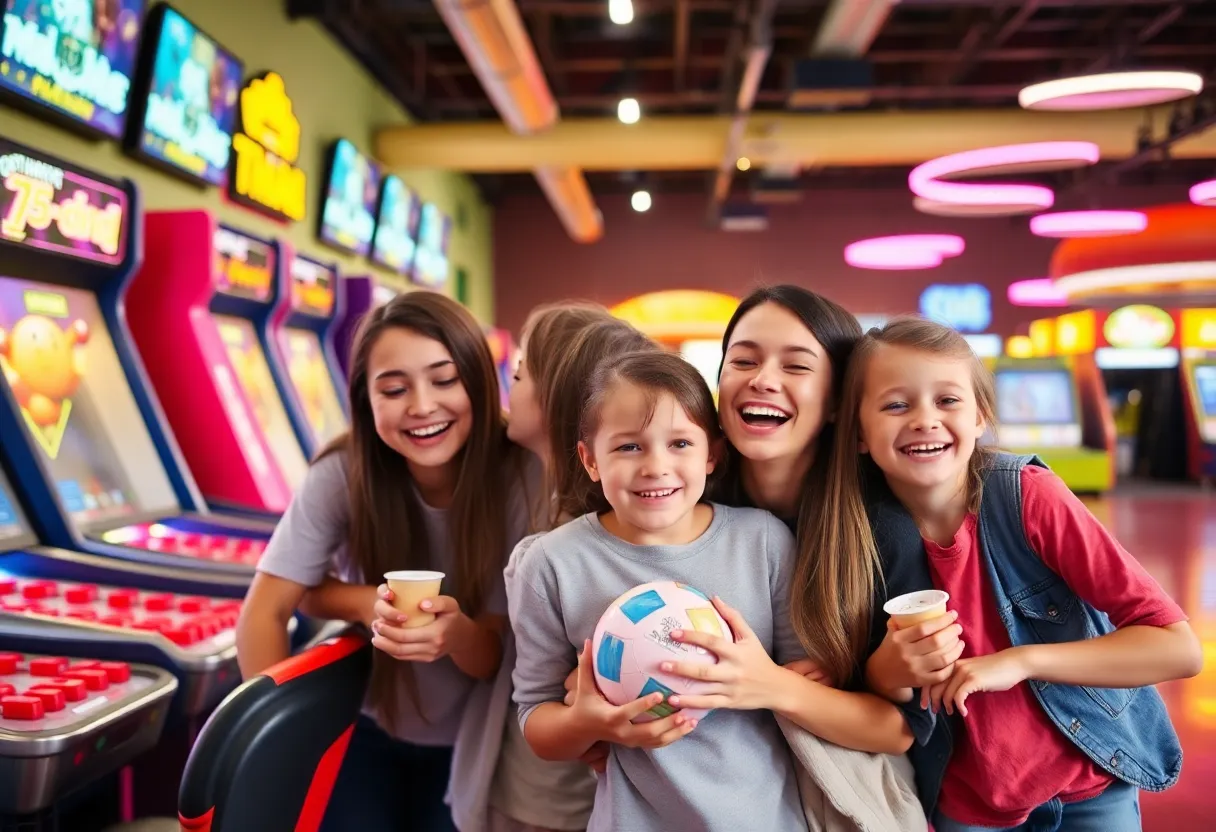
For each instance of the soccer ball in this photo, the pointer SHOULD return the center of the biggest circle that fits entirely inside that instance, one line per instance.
(633, 638)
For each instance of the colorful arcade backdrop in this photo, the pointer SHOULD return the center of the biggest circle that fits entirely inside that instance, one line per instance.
(144, 74)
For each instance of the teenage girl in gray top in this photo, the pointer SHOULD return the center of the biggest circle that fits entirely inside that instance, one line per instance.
(426, 479)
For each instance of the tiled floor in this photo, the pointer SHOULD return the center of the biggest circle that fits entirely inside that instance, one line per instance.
(1173, 533)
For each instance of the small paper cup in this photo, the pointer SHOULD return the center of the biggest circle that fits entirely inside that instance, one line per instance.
(915, 607)
(410, 588)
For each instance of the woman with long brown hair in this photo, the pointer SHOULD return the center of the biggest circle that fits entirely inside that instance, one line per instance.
(425, 479)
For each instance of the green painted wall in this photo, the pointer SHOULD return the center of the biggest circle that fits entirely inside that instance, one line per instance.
(333, 98)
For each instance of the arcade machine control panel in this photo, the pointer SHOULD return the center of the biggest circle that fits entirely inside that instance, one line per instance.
(157, 537)
(194, 635)
(65, 722)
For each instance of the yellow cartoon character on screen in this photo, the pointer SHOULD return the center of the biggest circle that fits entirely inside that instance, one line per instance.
(43, 364)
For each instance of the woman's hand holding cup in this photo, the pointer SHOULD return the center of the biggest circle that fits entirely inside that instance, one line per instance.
(414, 622)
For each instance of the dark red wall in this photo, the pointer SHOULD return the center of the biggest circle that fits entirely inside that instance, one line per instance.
(669, 247)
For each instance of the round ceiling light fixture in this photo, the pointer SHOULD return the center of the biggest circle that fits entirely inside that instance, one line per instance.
(1204, 193)
(905, 251)
(1111, 90)
(1038, 292)
(937, 194)
(1088, 224)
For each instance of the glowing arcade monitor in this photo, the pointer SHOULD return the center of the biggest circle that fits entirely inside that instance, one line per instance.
(307, 365)
(78, 427)
(198, 310)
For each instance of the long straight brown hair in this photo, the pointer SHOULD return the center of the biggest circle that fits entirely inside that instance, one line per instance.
(386, 526)
(844, 574)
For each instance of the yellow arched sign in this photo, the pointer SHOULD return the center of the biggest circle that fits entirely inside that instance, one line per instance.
(679, 314)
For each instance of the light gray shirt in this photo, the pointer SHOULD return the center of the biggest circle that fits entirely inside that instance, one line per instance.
(309, 543)
(734, 771)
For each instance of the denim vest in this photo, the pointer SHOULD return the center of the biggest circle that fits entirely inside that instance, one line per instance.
(1126, 732)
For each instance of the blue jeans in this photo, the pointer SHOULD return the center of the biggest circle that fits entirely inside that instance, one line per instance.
(386, 785)
(1115, 810)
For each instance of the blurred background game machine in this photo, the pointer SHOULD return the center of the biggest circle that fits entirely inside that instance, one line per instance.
(393, 247)
(1198, 371)
(81, 432)
(198, 310)
(1053, 403)
(502, 348)
(303, 359)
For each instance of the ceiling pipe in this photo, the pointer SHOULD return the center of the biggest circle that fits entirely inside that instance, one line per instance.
(849, 27)
(492, 36)
(758, 50)
(838, 139)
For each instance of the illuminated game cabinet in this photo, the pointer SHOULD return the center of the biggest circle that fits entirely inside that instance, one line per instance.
(505, 354)
(359, 295)
(1055, 406)
(304, 361)
(80, 430)
(1198, 370)
(198, 309)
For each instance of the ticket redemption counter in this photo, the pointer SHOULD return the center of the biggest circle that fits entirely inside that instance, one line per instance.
(687, 321)
(1053, 403)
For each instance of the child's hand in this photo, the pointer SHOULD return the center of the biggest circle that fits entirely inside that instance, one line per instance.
(614, 723)
(917, 657)
(996, 672)
(808, 669)
(743, 677)
(449, 633)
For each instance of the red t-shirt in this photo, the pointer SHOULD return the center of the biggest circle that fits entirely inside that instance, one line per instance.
(1009, 757)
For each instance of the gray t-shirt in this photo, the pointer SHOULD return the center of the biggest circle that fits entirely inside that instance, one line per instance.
(309, 543)
(734, 771)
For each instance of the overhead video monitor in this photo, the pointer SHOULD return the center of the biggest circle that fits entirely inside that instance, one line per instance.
(75, 59)
(431, 258)
(1035, 397)
(348, 209)
(188, 95)
(60, 364)
(395, 241)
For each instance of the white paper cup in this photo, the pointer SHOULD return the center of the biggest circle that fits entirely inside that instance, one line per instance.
(915, 607)
(410, 588)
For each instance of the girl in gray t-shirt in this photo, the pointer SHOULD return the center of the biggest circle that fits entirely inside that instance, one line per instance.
(426, 479)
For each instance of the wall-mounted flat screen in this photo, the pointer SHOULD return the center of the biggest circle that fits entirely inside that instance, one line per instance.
(394, 245)
(76, 59)
(431, 258)
(348, 208)
(189, 93)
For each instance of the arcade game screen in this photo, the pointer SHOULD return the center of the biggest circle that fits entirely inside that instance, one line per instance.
(12, 524)
(348, 213)
(192, 93)
(1205, 385)
(396, 226)
(253, 374)
(59, 362)
(431, 256)
(314, 384)
(1041, 397)
(76, 59)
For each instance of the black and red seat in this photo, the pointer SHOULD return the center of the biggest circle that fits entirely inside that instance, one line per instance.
(268, 757)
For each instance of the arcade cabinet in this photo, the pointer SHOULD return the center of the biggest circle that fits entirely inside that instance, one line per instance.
(1044, 408)
(1198, 371)
(1137, 353)
(81, 431)
(502, 348)
(359, 294)
(196, 308)
(303, 359)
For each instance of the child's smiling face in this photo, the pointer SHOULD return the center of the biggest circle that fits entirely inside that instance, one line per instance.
(652, 461)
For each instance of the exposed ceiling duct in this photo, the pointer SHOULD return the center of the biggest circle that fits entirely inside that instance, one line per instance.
(496, 44)
(843, 139)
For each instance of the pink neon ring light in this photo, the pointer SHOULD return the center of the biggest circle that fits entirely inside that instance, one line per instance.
(925, 180)
(1037, 292)
(1204, 193)
(906, 251)
(1088, 223)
